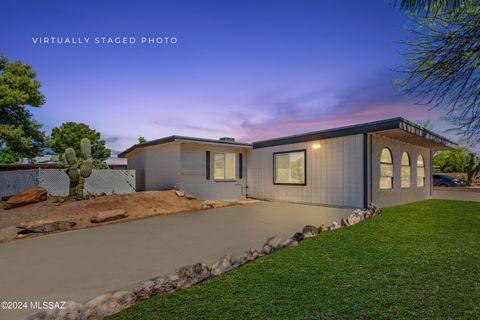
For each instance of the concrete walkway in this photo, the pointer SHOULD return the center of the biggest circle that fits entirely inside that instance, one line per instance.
(80, 265)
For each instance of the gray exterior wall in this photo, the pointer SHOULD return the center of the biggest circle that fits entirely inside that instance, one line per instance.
(193, 172)
(160, 165)
(398, 195)
(334, 173)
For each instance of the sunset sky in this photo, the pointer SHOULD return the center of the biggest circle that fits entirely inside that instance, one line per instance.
(246, 69)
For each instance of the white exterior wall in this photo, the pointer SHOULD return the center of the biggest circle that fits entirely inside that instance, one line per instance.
(398, 195)
(193, 173)
(334, 173)
(160, 165)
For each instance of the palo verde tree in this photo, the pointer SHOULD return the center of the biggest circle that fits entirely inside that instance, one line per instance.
(70, 135)
(443, 60)
(20, 134)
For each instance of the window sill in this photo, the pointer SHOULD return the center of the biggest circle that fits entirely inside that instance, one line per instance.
(225, 180)
(289, 184)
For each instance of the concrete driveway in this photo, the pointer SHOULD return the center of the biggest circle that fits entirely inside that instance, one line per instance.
(80, 265)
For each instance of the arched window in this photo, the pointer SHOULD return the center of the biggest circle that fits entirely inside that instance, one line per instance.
(420, 171)
(386, 169)
(405, 173)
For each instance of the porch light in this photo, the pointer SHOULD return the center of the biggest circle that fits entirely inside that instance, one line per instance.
(316, 146)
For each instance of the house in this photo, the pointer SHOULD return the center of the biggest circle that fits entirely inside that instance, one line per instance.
(387, 162)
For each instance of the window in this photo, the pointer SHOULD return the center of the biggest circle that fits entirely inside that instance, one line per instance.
(289, 167)
(386, 169)
(224, 166)
(405, 171)
(420, 171)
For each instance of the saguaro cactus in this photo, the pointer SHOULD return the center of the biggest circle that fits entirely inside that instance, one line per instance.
(78, 169)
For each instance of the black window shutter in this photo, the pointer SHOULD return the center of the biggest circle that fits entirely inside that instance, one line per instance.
(207, 158)
(240, 166)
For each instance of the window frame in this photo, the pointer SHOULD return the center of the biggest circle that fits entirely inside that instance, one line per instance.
(409, 166)
(380, 171)
(224, 179)
(417, 167)
(304, 168)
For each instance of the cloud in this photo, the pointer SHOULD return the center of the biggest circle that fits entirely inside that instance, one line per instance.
(375, 99)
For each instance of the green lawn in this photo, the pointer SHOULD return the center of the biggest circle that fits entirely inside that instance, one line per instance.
(418, 261)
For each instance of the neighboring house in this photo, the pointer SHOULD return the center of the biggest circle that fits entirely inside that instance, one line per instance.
(386, 162)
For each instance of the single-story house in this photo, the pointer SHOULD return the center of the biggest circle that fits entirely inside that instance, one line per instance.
(386, 162)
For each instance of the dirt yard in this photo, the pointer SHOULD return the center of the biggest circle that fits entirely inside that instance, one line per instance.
(137, 205)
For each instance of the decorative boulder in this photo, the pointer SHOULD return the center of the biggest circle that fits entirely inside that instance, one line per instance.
(192, 274)
(223, 265)
(26, 197)
(109, 215)
(43, 226)
(189, 196)
(298, 236)
(144, 289)
(335, 225)
(108, 304)
(271, 245)
(309, 231)
(165, 284)
(323, 228)
(290, 243)
(249, 256)
(180, 193)
(71, 311)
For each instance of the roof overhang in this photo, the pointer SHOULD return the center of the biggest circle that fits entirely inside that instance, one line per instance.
(182, 139)
(395, 128)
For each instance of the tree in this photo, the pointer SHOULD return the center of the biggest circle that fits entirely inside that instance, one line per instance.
(443, 60)
(452, 160)
(70, 134)
(141, 139)
(7, 156)
(18, 89)
(473, 167)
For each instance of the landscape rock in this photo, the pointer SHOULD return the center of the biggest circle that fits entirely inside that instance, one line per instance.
(290, 243)
(71, 311)
(165, 284)
(144, 289)
(192, 274)
(335, 225)
(26, 197)
(323, 228)
(224, 264)
(374, 210)
(309, 231)
(108, 304)
(249, 256)
(271, 245)
(43, 226)
(298, 236)
(189, 196)
(109, 215)
(354, 219)
(180, 193)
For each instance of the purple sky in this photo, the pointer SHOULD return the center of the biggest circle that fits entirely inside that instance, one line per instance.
(247, 69)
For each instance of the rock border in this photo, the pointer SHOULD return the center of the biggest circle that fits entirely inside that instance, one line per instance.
(186, 276)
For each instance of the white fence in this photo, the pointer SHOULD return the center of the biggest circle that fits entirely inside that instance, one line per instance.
(56, 181)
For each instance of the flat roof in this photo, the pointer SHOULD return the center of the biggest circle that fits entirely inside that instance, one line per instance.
(395, 128)
(184, 139)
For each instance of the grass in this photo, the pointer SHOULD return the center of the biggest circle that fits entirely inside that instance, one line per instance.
(418, 261)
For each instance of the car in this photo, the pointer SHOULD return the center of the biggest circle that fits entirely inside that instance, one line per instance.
(443, 180)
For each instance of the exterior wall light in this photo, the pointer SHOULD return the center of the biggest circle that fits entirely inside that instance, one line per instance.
(316, 146)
